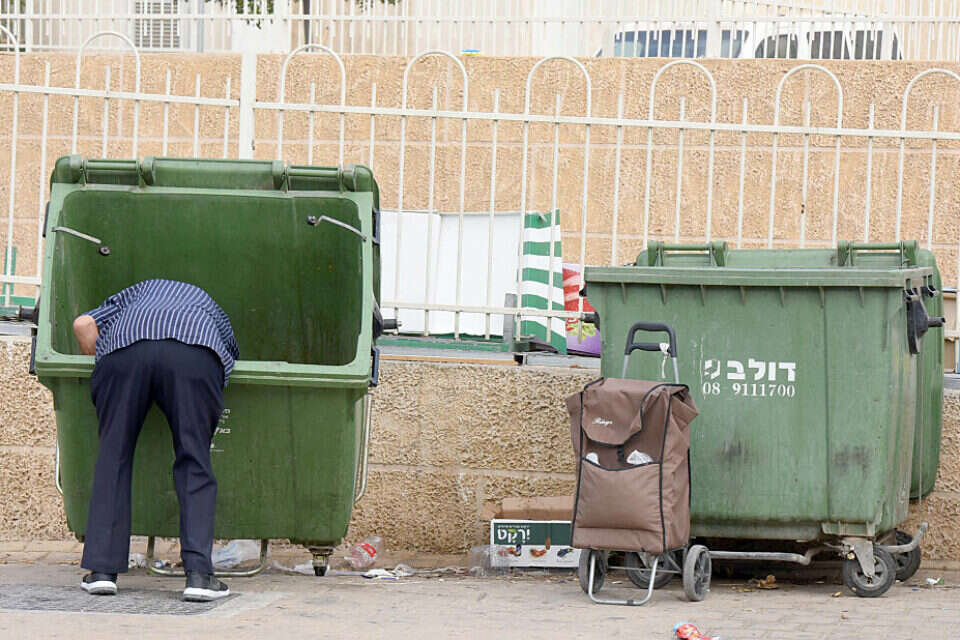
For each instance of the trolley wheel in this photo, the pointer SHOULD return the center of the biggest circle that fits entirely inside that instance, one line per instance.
(696, 573)
(320, 571)
(599, 570)
(885, 572)
(639, 573)
(907, 563)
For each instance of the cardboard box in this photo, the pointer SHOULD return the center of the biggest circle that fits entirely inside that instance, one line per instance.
(553, 508)
(532, 543)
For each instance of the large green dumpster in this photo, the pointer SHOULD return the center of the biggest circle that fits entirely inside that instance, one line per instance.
(801, 364)
(292, 255)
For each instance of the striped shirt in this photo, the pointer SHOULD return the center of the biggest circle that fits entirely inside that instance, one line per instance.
(163, 310)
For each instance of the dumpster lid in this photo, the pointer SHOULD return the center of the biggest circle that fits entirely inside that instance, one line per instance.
(766, 277)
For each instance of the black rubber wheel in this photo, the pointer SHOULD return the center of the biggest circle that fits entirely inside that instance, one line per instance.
(320, 570)
(639, 573)
(599, 570)
(907, 563)
(885, 573)
(697, 570)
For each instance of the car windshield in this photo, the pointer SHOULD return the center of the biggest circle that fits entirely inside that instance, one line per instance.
(782, 46)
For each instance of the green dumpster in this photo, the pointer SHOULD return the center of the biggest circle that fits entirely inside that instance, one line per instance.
(802, 363)
(291, 253)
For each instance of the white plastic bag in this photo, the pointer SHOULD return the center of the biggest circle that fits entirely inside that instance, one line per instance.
(235, 553)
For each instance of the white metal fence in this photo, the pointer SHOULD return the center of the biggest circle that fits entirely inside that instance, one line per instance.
(787, 171)
(118, 120)
(859, 29)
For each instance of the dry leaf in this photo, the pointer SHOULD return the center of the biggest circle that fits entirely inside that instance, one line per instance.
(837, 594)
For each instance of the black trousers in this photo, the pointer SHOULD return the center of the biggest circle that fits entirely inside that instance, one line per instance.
(186, 382)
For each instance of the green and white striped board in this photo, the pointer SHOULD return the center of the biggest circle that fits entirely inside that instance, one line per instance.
(541, 278)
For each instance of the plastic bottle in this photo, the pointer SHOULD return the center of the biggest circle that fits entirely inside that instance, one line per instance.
(364, 554)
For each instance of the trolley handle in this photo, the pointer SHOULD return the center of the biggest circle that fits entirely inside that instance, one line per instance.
(653, 327)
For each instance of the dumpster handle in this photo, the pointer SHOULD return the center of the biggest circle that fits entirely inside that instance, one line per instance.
(375, 369)
(315, 220)
(236, 573)
(846, 251)
(716, 252)
(769, 556)
(361, 487)
(56, 477)
(908, 547)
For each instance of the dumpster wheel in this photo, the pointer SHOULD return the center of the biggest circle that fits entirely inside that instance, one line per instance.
(885, 570)
(321, 560)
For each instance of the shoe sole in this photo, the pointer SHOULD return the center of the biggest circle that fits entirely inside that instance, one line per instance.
(195, 594)
(99, 588)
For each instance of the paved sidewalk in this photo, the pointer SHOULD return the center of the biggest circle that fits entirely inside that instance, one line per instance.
(529, 606)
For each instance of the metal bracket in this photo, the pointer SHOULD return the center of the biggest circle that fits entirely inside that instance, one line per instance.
(862, 549)
(315, 220)
(104, 249)
(768, 556)
(321, 559)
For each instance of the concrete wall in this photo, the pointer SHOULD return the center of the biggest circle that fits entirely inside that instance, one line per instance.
(446, 438)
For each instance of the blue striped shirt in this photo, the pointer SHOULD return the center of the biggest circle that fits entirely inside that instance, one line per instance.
(164, 310)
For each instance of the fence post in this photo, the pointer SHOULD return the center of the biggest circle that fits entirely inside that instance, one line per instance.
(248, 96)
(714, 32)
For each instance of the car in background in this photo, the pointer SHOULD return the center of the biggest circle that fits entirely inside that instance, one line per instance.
(806, 40)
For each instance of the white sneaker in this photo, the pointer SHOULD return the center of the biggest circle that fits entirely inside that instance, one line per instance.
(100, 584)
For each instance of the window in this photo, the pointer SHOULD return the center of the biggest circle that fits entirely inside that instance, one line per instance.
(784, 46)
(828, 45)
(162, 32)
(668, 43)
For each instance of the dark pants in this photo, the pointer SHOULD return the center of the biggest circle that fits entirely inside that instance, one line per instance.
(186, 382)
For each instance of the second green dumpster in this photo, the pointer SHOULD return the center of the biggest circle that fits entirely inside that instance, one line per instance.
(806, 367)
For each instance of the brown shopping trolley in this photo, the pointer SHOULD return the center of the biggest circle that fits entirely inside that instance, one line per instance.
(632, 441)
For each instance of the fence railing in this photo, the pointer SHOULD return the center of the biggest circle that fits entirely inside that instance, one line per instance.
(691, 159)
(839, 29)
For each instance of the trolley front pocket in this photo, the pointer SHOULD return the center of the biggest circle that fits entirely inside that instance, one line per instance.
(626, 498)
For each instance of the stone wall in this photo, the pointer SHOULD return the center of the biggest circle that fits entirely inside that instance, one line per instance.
(446, 438)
